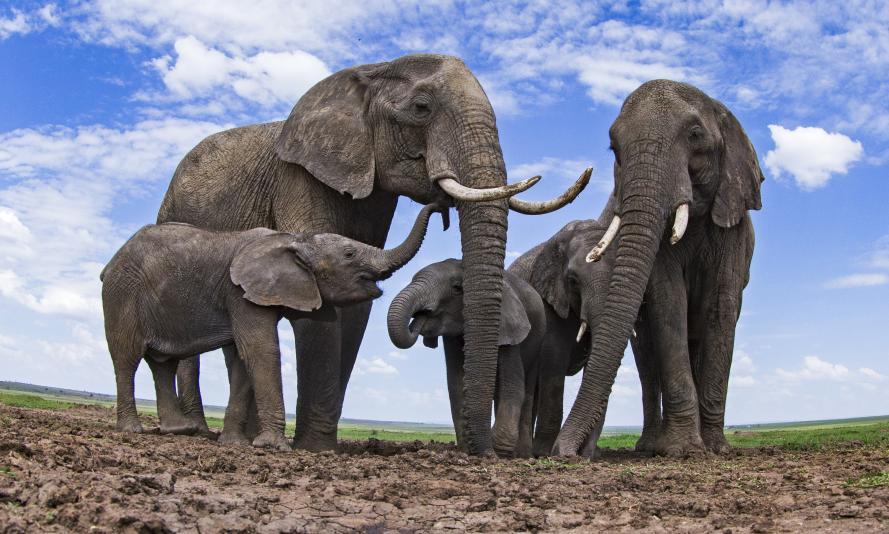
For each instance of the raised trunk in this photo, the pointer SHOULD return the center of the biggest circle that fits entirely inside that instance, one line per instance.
(404, 305)
(390, 260)
(642, 226)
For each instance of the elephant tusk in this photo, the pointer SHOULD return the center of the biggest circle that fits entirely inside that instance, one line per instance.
(470, 194)
(581, 331)
(538, 208)
(597, 251)
(680, 223)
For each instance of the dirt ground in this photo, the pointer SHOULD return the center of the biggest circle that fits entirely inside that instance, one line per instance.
(70, 471)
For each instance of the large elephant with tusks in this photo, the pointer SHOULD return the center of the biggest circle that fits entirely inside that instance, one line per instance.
(680, 157)
(419, 126)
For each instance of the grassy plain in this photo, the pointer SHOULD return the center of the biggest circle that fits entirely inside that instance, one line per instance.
(809, 435)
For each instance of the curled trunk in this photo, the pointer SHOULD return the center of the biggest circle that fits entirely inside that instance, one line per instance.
(403, 307)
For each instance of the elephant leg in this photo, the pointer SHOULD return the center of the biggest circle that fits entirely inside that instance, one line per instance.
(125, 357)
(172, 420)
(187, 373)
(240, 400)
(646, 365)
(510, 397)
(256, 339)
(550, 394)
(453, 347)
(318, 363)
(525, 446)
(720, 313)
(666, 312)
(355, 318)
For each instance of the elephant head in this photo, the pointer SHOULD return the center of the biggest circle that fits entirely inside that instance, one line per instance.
(567, 282)
(422, 126)
(303, 271)
(432, 306)
(680, 157)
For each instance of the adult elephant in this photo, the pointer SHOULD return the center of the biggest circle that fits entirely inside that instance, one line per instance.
(677, 151)
(419, 126)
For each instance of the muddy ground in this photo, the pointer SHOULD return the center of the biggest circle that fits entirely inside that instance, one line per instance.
(70, 471)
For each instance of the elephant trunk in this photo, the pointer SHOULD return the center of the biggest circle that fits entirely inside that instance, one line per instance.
(408, 302)
(390, 260)
(642, 223)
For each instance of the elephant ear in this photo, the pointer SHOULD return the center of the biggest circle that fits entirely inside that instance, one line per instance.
(272, 272)
(547, 276)
(327, 133)
(741, 178)
(514, 323)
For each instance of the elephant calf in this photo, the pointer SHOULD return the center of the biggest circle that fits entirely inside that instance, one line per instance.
(174, 291)
(432, 305)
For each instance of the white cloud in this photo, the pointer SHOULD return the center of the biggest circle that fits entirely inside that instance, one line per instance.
(266, 78)
(871, 374)
(858, 280)
(814, 368)
(60, 186)
(742, 362)
(15, 24)
(811, 155)
(743, 381)
(375, 366)
(20, 23)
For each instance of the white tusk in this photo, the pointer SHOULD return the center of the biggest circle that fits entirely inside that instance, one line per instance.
(469, 194)
(537, 208)
(680, 223)
(597, 251)
(581, 331)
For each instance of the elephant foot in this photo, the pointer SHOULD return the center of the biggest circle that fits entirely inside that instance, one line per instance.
(714, 440)
(233, 438)
(315, 442)
(678, 446)
(130, 425)
(646, 442)
(591, 450)
(272, 439)
(180, 428)
(543, 446)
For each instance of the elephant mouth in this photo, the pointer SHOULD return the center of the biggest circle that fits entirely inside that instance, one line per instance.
(368, 283)
(418, 323)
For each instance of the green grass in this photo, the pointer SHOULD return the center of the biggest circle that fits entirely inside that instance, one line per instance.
(875, 480)
(813, 435)
(26, 400)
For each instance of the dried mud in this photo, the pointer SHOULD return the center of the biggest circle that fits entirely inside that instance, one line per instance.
(70, 471)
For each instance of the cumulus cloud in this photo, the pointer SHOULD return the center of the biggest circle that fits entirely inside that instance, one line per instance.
(811, 155)
(858, 280)
(375, 366)
(19, 22)
(266, 78)
(814, 368)
(60, 185)
(870, 374)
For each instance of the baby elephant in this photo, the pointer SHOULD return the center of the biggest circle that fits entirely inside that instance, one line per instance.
(432, 305)
(173, 291)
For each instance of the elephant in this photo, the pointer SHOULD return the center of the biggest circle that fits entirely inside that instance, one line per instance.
(573, 292)
(432, 306)
(682, 155)
(419, 126)
(174, 290)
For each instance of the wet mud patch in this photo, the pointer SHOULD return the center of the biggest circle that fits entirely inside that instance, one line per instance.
(70, 471)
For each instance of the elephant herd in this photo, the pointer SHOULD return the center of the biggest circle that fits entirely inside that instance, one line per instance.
(289, 220)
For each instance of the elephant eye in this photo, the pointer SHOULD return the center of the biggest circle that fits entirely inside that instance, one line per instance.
(421, 108)
(696, 133)
(349, 254)
(458, 289)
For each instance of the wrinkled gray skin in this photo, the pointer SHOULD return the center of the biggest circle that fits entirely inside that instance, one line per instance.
(432, 306)
(352, 145)
(174, 290)
(574, 290)
(674, 144)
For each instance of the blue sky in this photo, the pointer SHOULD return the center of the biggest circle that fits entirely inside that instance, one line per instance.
(99, 100)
